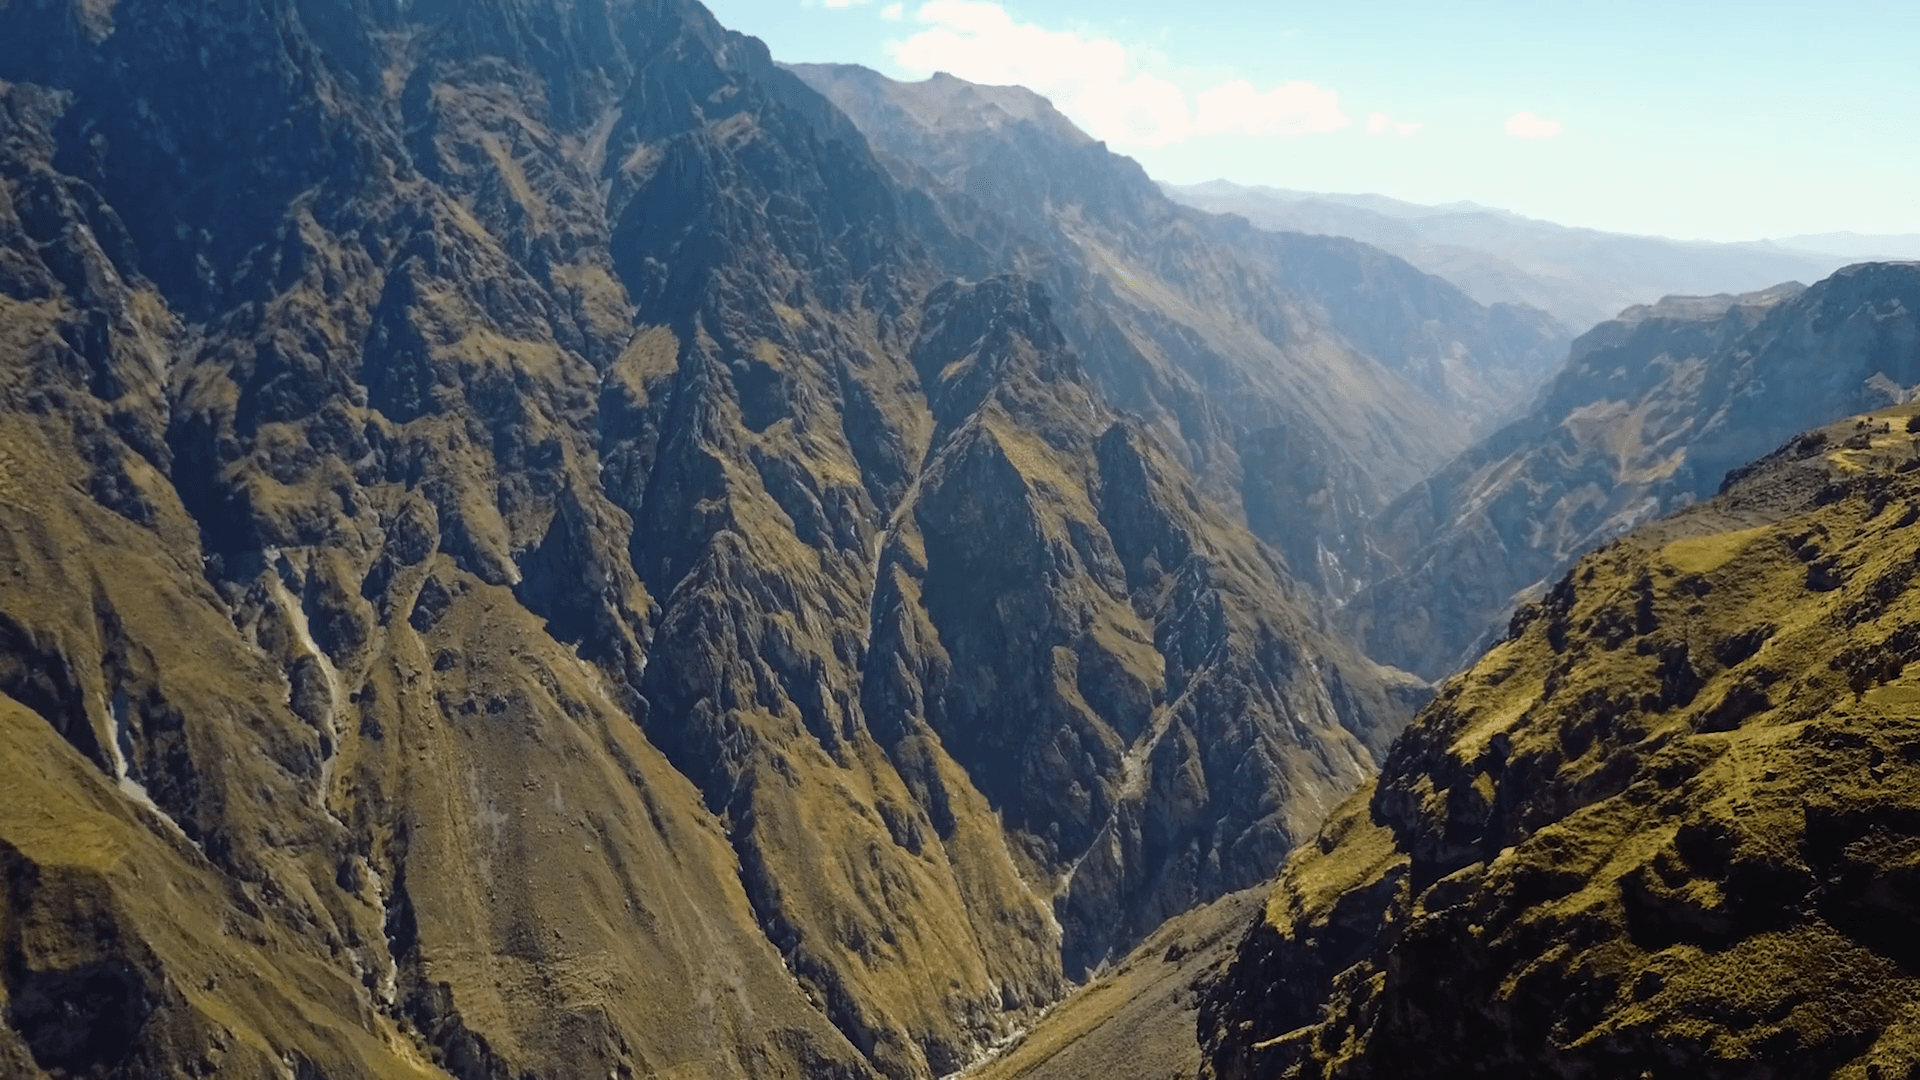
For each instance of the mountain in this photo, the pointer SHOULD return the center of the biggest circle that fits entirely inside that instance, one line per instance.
(1861, 247)
(1651, 413)
(1303, 380)
(523, 556)
(1664, 829)
(1582, 276)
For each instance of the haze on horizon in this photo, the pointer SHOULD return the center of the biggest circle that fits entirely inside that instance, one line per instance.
(1714, 121)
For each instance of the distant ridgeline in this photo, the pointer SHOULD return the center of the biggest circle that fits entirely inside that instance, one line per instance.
(1580, 276)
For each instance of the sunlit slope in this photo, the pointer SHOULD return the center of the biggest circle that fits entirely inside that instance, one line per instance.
(1666, 829)
(1137, 1018)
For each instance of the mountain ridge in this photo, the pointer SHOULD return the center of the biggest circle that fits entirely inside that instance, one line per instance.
(1657, 830)
(1583, 276)
(1652, 411)
(1287, 371)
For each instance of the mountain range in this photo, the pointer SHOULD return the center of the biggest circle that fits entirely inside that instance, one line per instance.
(531, 552)
(1582, 276)
(540, 542)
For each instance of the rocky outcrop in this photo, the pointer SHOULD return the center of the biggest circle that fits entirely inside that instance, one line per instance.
(1303, 380)
(1661, 830)
(1652, 412)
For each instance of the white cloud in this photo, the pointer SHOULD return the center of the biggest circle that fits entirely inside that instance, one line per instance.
(1297, 108)
(893, 12)
(1526, 125)
(1381, 124)
(1101, 84)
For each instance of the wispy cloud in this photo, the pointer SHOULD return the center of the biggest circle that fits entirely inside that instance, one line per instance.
(1101, 84)
(1527, 125)
(1381, 124)
(893, 12)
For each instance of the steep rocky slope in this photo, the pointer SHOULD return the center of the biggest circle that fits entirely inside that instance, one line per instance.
(1665, 829)
(1127, 676)
(1138, 1017)
(519, 561)
(1304, 380)
(1581, 276)
(1651, 412)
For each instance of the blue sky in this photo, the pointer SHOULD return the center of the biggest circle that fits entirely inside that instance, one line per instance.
(1712, 120)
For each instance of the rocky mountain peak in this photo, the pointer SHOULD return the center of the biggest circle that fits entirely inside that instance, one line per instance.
(977, 339)
(1707, 308)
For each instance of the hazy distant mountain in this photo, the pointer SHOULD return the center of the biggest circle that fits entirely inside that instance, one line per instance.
(1855, 245)
(1582, 276)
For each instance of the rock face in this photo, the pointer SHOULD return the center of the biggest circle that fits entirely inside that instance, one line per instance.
(1651, 413)
(1665, 829)
(1304, 380)
(1582, 276)
(1125, 674)
(519, 560)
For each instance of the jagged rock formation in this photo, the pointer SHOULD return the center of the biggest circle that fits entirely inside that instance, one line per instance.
(1665, 829)
(1304, 380)
(519, 561)
(1582, 276)
(1651, 413)
(1123, 672)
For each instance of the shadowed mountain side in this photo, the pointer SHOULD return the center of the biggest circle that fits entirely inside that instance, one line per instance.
(261, 823)
(1581, 276)
(1651, 413)
(1664, 829)
(1126, 674)
(1302, 380)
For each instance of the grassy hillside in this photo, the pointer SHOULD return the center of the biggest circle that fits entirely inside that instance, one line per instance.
(1665, 829)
